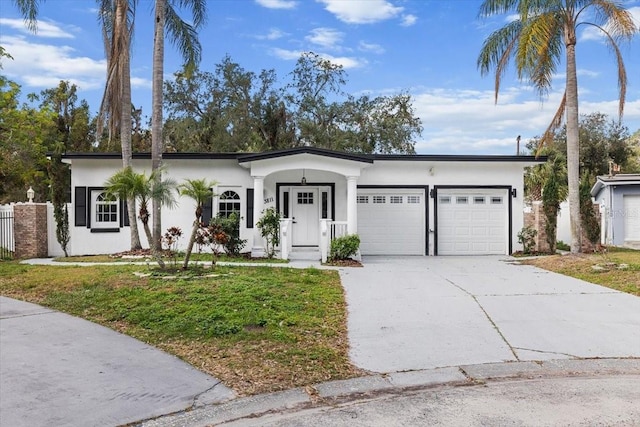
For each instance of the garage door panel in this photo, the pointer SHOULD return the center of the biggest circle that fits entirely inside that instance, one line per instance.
(395, 227)
(472, 222)
(631, 205)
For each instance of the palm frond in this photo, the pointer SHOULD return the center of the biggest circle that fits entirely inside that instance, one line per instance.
(497, 7)
(556, 123)
(497, 51)
(29, 10)
(185, 38)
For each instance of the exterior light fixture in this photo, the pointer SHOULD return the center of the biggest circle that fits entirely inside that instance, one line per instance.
(30, 194)
(303, 181)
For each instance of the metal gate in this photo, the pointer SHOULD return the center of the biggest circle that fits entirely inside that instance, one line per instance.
(7, 242)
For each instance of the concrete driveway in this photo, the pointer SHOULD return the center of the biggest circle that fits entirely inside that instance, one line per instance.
(59, 370)
(410, 313)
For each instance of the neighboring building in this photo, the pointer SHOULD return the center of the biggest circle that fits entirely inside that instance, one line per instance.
(619, 199)
(397, 204)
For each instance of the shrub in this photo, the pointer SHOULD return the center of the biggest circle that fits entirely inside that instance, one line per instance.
(527, 238)
(269, 225)
(562, 246)
(231, 227)
(344, 247)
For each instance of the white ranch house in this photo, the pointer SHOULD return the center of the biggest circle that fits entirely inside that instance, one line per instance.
(397, 204)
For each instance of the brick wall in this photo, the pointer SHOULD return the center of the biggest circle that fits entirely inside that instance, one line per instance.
(30, 229)
(537, 220)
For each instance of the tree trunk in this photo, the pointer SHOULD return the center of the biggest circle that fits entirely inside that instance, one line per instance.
(573, 147)
(192, 240)
(157, 255)
(122, 7)
(156, 116)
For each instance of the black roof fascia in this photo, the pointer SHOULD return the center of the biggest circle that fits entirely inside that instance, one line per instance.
(305, 150)
(365, 158)
(459, 158)
(169, 156)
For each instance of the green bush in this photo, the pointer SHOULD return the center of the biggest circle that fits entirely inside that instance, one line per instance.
(563, 246)
(269, 225)
(527, 238)
(344, 247)
(231, 227)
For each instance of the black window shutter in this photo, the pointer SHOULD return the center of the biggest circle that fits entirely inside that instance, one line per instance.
(207, 209)
(80, 207)
(249, 205)
(285, 204)
(124, 214)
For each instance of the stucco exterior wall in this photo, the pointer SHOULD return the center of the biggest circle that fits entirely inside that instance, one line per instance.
(229, 174)
(94, 173)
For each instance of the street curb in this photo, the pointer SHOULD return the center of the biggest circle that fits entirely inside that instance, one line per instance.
(334, 392)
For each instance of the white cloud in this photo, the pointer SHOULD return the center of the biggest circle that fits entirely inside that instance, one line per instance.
(46, 29)
(325, 37)
(43, 65)
(277, 4)
(409, 20)
(346, 62)
(468, 121)
(140, 83)
(273, 34)
(371, 47)
(361, 11)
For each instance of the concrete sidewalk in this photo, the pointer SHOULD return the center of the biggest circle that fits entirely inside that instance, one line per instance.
(59, 370)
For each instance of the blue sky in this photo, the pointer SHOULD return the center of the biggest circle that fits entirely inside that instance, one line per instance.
(423, 47)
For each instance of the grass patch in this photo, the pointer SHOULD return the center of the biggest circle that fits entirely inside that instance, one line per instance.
(617, 269)
(258, 329)
(195, 257)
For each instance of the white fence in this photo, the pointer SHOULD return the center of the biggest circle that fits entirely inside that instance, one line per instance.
(7, 239)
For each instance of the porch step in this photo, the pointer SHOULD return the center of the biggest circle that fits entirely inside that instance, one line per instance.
(305, 254)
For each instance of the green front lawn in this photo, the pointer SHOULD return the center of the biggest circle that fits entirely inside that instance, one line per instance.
(258, 329)
(199, 258)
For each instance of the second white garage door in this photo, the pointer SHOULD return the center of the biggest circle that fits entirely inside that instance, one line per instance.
(472, 222)
(632, 218)
(391, 221)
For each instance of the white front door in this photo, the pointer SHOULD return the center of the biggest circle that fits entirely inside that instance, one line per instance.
(305, 216)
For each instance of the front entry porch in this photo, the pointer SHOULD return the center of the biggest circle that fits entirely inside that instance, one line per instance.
(315, 193)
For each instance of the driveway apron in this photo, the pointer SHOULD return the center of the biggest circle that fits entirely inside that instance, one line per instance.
(409, 313)
(59, 370)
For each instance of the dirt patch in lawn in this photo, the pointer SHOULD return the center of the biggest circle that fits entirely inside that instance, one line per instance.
(617, 269)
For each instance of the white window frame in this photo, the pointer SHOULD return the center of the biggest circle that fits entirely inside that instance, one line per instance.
(97, 206)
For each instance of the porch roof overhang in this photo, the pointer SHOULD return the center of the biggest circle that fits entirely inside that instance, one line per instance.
(263, 164)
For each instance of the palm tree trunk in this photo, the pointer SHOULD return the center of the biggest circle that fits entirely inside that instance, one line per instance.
(192, 240)
(156, 116)
(573, 147)
(122, 7)
(157, 255)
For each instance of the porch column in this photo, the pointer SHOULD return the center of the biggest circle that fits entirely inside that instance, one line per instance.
(352, 208)
(257, 250)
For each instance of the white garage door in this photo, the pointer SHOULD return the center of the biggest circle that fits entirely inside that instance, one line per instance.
(391, 222)
(632, 218)
(472, 222)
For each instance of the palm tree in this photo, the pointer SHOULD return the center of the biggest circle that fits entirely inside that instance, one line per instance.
(117, 19)
(535, 41)
(127, 184)
(185, 37)
(200, 191)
